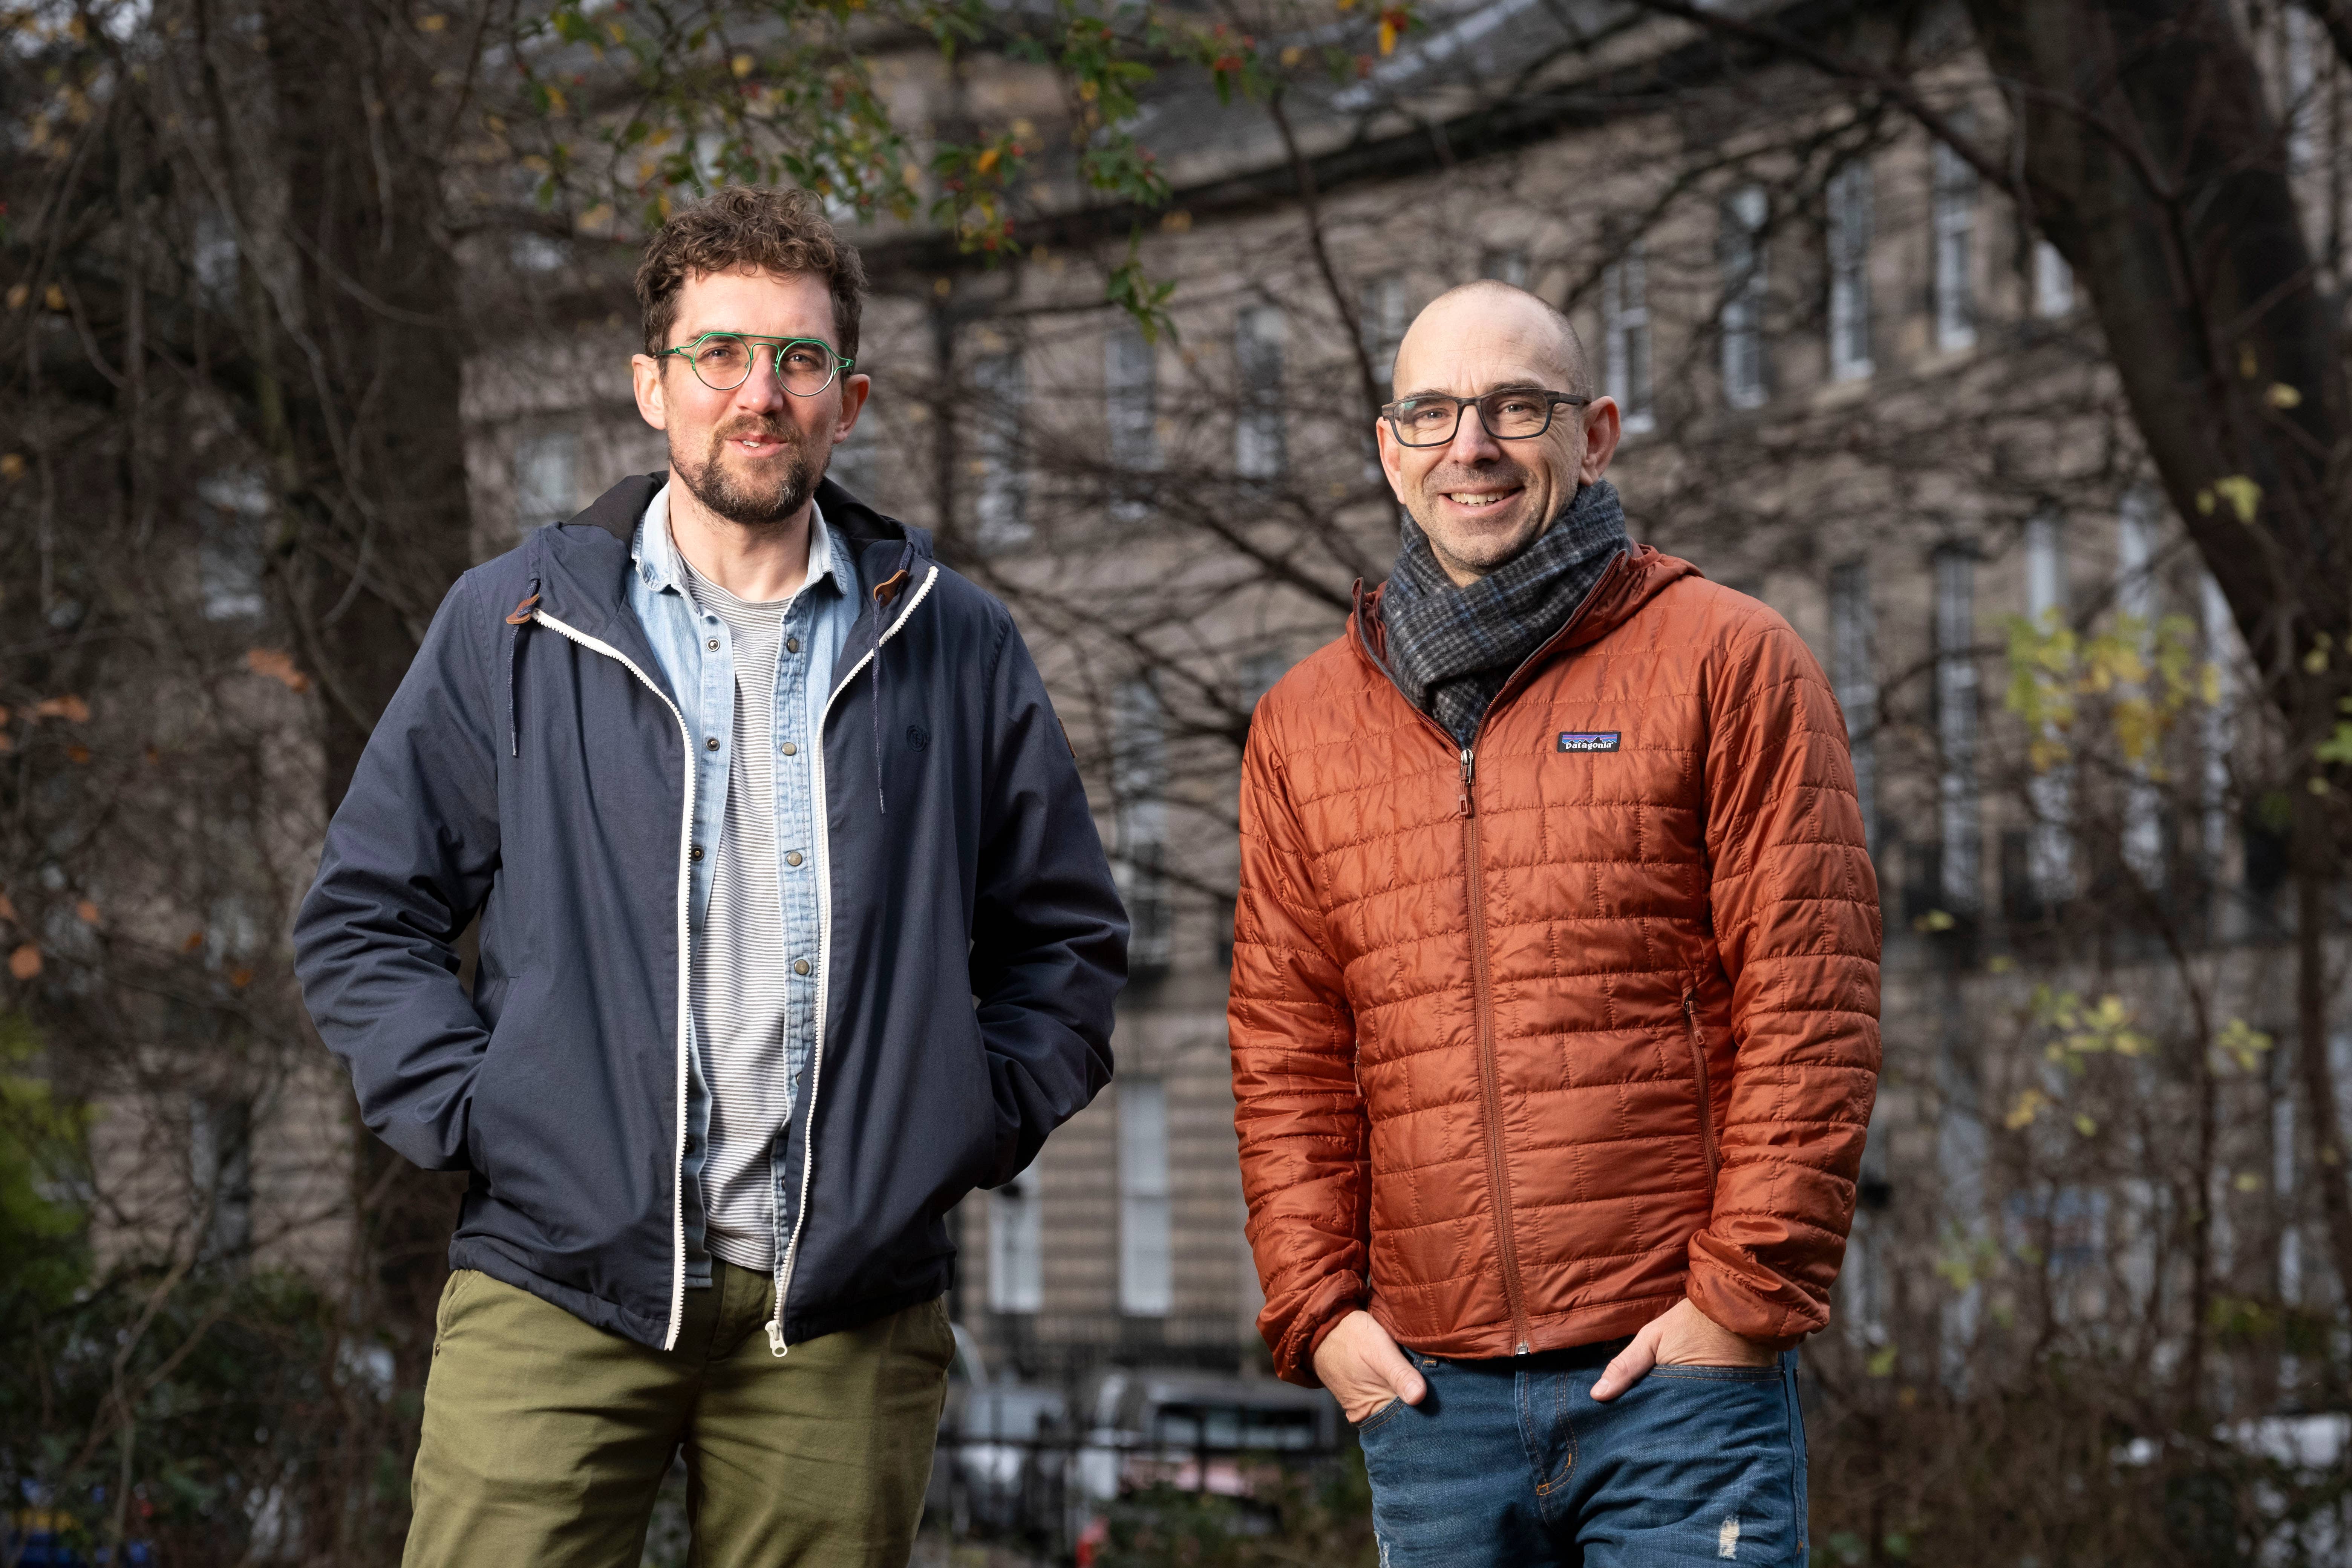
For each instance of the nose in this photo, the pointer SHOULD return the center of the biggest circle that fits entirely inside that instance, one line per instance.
(1472, 444)
(764, 389)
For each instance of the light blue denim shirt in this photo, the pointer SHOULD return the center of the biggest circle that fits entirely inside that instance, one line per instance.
(697, 654)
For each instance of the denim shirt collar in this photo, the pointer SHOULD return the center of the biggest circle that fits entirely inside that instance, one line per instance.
(659, 568)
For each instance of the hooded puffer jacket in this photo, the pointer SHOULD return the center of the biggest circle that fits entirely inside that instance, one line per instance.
(1534, 1039)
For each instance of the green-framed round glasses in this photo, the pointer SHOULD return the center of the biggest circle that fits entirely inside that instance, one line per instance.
(724, 361)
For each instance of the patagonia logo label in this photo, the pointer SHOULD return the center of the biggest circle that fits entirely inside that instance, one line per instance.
(1588, 739)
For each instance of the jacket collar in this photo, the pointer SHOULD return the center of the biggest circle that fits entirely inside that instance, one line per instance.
(1635, 578)
(584, 564)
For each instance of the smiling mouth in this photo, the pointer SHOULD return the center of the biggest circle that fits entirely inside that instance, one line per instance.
(1478, 499)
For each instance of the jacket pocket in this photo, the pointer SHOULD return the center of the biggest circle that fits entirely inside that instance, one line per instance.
(1705, 1097)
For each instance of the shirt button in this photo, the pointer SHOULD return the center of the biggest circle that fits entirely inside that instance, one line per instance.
(792, 857)
(800, 966)
(711, 744)
(792, 645)
(791, 750)
(712, 645)
(695, 853)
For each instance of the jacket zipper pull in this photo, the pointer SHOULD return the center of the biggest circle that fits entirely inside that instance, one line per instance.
(776, 1338)
(1469, 773)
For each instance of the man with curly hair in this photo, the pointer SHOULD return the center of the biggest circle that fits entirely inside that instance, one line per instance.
(794, 928)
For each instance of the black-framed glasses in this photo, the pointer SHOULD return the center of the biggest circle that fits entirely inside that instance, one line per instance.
(724, 361)
(1514, 413)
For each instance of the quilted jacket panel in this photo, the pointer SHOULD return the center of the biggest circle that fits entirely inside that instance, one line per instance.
(1653, 1076)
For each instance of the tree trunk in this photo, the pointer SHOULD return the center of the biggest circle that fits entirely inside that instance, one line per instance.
(370, 481)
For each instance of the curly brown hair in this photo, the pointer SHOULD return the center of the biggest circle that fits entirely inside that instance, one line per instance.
(768, 227)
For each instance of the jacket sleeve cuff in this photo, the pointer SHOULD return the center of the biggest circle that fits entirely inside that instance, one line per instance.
(1302, 1328)
(1777, 1318)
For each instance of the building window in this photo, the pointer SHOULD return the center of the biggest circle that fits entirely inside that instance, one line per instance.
(1140, 794)
(1002, 505)
(1849, 249)
(1625, 339)
(220, 1149)
(1741, 251)
(1017, 1246)
(1383, 324)
(1505, 264)
(233, 512)
(2053, 282)
(1131, 407)
(546, 479)
(1852, 634)
(2050, 853)
(1260, 449)
(1955, 231)
(1959, 830)
(2143, 825)
(2218, 728)
(2302, 99)
(1146, 1273)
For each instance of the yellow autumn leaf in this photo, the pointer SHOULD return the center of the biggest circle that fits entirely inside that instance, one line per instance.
(2247, 363)
(2027, 1106)
(2242, 494)
(430, 22)
(12, 466)
(1388, 37)
(987, 160)
(2282, 396)
(17, 296)
(54, 297)
(740, 65)
(555, 100)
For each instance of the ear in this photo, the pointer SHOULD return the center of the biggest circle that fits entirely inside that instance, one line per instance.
(645, 380)
(1392, 456)
(855, 390)
(1603, 428)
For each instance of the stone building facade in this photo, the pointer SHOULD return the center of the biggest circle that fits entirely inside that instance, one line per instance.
(1854, 384)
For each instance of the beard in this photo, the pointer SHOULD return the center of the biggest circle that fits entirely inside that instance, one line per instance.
(1466, 544)
(760, 502)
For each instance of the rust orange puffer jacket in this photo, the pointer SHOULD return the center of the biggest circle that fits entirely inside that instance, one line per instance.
(1529, 1044)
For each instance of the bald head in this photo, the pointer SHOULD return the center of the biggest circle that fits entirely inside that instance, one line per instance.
(1490, 318)
(1481, 499)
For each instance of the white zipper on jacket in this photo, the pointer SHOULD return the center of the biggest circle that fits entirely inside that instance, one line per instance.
(684, 963)
(791, 1253)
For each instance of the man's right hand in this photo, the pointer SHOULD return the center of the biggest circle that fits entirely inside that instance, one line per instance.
(1363, 1368)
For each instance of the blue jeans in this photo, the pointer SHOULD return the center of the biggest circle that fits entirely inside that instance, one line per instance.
(1514, 1462)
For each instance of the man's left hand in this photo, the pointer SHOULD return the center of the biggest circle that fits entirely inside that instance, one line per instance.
(1680, 1336)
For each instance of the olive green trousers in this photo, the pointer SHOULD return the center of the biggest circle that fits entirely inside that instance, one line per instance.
(546, 1439)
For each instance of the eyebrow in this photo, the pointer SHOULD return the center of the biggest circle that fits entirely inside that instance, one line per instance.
(1506, 386)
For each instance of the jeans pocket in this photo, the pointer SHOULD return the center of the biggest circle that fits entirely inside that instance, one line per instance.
(1766, 1373)
(1379, 1417)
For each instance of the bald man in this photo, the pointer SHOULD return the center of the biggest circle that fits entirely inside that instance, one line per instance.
(1555, 996)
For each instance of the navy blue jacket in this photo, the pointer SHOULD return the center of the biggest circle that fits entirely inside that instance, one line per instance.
(533, 768)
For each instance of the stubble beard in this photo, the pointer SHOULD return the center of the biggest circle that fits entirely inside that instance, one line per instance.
(750, 503)
(1483, 552)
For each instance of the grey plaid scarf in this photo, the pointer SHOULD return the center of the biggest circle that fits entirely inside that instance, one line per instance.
(1452, 648)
